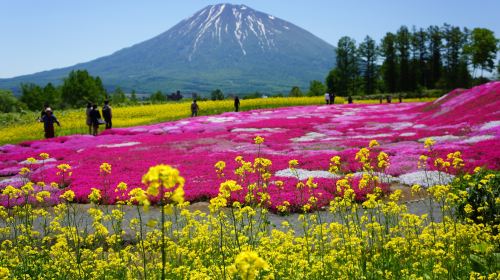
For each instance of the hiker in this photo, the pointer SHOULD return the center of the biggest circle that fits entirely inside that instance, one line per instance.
(194, 109)
(349, 99)
(95, 119)
(236, 104)
(107, 114)
(48, 120)
(332, 98)
(89, 120)
(327, 98)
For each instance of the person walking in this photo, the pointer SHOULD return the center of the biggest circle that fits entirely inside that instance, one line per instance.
(48, 120)
(107, 114)
(89, 120)
(194, 109)
(236, 104)
(95, 119)
(332, 97)
(349, 99)
(327, 98)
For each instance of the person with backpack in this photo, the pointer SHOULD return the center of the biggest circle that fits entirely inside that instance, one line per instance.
(194, 109)
(95, 119)
(107, 114)
(332, 98)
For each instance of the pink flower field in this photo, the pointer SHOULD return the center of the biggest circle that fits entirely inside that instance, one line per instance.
(463, 120)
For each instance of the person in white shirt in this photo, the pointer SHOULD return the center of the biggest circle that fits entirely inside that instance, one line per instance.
(327, 98)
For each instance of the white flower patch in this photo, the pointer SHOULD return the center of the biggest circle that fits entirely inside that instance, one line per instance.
(220, 119)
(39, 161)
(490, 125)
(442, 138)
(425, 178)
(401, 125)
(348, 114)
(119, 145)
(251, 129)
(419, 126)
(304, 174)
(383, 176)
(478, 138)
(169, 128)
(406, 134)
(310, 136)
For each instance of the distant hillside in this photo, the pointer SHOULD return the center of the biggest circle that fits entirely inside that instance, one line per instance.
(231, 47)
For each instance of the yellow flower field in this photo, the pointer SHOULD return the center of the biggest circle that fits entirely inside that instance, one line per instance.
(377, 239)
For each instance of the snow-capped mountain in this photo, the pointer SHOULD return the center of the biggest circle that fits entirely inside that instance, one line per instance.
(231, 47)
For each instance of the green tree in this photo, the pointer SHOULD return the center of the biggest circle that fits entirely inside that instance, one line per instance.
(52, 95)
(32, 96)
(420, 52)
(390, 65)
(133, 97)
(498, 70)
(80, 87)
(403, 51)
(483, 49)
(347, 66)
(316, 88)
(368, 53)
(118, 96)
(453, 59)
(158, 97)
(331, 80)
(435, 63)
(295, 92)
(9, 103)
(217, 95)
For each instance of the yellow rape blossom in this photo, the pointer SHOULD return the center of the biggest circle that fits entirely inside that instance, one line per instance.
(68, 195)
(105, 168)
(258, 140)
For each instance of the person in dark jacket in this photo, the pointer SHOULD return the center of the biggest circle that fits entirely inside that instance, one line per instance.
(332, 97)
(194, 109)
(107, 114)
(349, 99)
(95, 117)
(48, 120)
(236, 104)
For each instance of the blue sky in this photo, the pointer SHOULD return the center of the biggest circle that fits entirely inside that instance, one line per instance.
(41, 35)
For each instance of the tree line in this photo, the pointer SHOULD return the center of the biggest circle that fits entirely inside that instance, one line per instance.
(445, 57)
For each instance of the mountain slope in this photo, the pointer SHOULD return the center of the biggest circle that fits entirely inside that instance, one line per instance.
(231, 47)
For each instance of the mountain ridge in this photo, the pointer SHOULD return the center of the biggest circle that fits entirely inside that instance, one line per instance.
(232, 47)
